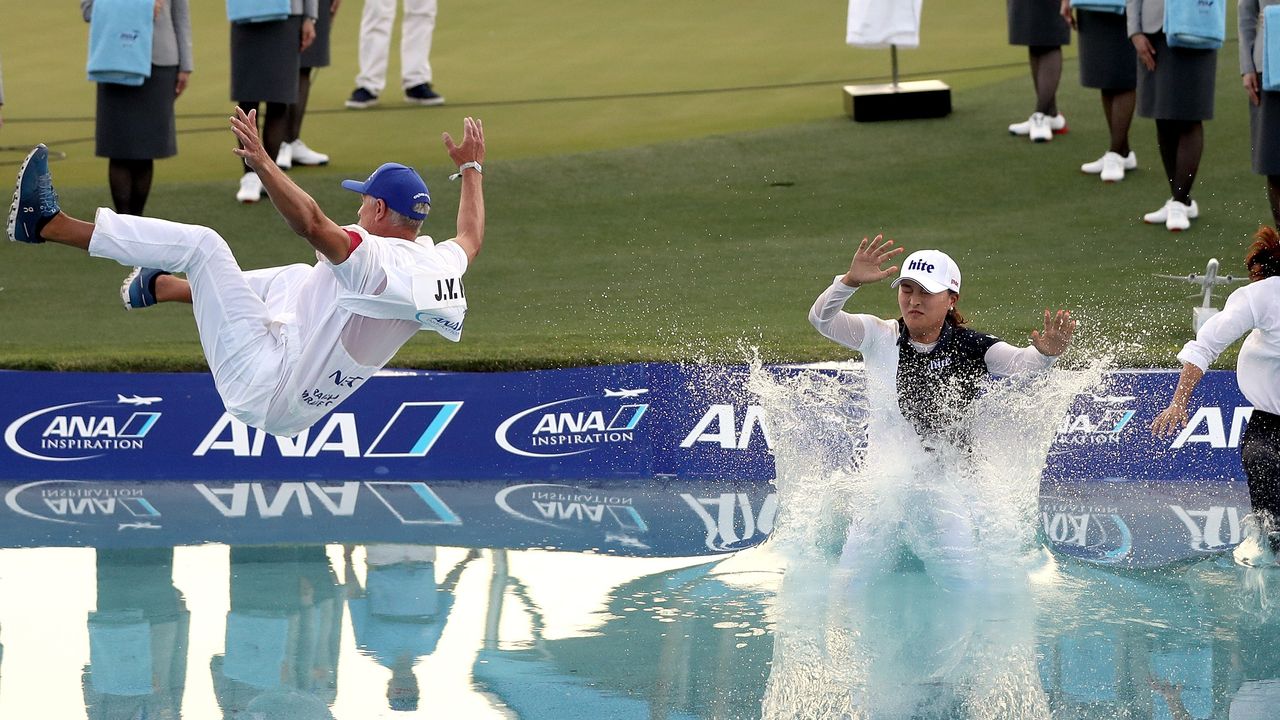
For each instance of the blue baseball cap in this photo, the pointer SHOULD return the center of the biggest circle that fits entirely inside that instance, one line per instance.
(399, 186)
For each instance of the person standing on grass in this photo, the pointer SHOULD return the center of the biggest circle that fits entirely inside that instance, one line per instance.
(416, 32)
(1264, 105)
(293, 151)
(288, 344)
(136, 125)
(926, 369)
(1254, 307)
(1175, 88)
(1038, 24)
(1109, 64)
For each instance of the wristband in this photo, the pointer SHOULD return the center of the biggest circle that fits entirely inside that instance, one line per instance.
(464, 166)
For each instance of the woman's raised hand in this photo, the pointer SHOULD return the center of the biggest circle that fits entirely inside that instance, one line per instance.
(865, 267)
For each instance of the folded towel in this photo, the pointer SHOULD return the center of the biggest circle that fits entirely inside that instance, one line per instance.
(251, 11)
(881, 23)
(426, 292)
(120, 34)
(1270, 48)
(1197, 24)
(1107, 6)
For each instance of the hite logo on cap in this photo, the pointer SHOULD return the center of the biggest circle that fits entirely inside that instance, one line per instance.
(933, 270)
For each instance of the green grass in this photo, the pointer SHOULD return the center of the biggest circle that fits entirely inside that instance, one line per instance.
(653, 228)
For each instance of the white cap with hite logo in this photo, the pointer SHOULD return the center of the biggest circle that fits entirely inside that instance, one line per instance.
(932, 270)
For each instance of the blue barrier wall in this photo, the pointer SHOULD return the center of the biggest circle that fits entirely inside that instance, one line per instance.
(1112, 492)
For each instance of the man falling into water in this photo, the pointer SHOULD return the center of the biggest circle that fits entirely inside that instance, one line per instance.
(288, 344)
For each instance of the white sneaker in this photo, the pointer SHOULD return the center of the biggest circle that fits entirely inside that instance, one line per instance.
(303, 155)
(1131, 161)
(1057, 123)
(1177, 219)
(1159, 217)
(1094, 167)
(1040, 130)
(250, 188)
(284, 158)
(1112, 168)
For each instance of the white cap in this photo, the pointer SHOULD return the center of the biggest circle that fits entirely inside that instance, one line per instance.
(932, 270)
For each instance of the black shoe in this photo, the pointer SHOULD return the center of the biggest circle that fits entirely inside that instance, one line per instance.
(422, 95)
(361, 99)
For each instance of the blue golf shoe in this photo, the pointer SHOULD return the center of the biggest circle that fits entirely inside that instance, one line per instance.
(34, 200)
(139, 289)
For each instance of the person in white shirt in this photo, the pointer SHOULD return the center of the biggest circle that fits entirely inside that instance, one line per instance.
(1254, 307)
(926, 368)
(286, 345)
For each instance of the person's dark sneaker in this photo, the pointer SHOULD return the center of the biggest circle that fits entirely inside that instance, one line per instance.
(422, 95)
(34, 200)
(139, 289)
(361, 99)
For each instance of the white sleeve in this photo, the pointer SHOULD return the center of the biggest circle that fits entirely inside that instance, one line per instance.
(1236, 319)
(1005, 360)
(853, 331)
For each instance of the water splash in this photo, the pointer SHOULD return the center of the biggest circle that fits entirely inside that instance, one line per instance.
(877, 617)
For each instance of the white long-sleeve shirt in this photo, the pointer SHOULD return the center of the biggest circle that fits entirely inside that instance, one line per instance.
(1255, 307)
(877, 339)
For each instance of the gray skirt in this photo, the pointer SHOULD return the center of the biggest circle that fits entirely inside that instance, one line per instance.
(265, 61)
(317, 55)
(1107, 57)
(1181, 87)
(1037, 23)
(137, 123)
(1264, 126)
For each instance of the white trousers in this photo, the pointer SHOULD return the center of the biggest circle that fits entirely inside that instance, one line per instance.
(415, 43)
(246, 352)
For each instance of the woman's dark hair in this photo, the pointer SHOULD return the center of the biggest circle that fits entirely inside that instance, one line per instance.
(1264, 252)
(955, 317)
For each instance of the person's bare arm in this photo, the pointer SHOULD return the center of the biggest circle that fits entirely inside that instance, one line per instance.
(471, 204)
(298, 209)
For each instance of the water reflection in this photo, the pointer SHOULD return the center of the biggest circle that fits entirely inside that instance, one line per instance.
(137, 637)
(281, 651)
(412, 631)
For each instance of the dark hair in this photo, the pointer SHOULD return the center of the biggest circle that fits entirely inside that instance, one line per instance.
(1264, 252)
(954, 316)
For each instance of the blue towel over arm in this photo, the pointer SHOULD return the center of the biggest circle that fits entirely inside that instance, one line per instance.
(251, 11)
(1107, 6)
(120, 41)
(1197, 24)
(1270, 48)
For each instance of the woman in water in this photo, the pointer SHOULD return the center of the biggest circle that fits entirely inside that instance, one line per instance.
(1255, 307)
(925, 368)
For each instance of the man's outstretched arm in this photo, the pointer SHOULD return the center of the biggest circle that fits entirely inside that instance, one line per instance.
(471, 203)
(298, 209)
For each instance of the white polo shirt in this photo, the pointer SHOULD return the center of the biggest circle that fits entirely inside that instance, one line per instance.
(341, 325)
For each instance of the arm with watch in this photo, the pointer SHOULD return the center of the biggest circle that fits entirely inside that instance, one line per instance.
(469, 156)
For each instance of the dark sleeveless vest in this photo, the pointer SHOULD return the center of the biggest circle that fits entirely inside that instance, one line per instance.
(935, 388)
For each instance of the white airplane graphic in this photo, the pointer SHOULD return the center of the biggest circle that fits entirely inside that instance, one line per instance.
(135, 400)
(625, 393)
(1114, 399)
(625, 541)
(137, 526)
(1207, 281)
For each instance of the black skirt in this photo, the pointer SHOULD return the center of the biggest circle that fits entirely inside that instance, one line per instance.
(265, 60)
(1037, 23)
(1264, 124)
(317, 55)
(1107, 58)
(1181, 86)
(136, 123)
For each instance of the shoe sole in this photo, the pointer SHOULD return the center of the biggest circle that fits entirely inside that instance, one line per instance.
(359, 105)
(425, 103)
(124, 287)
(12, 226)
(318, 164)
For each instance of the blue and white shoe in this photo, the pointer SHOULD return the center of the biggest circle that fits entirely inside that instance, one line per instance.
(34, 200)
(139, 289)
